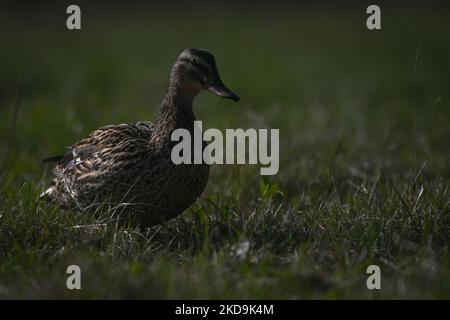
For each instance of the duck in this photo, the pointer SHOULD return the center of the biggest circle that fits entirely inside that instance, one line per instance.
(127, 168)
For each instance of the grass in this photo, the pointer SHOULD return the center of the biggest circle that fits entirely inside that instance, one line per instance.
(364, 158)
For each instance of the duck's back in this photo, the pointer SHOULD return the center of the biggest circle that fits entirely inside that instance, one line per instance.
(86, 169)
(122, 167)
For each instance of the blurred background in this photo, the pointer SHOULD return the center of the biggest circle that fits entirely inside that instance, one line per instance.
(333, 87)
(354, 106)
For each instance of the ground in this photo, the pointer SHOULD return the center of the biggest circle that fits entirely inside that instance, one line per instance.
(364, 155)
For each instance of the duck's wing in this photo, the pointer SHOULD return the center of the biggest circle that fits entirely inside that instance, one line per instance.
(103, 137)
(84, 158)
(113, 134)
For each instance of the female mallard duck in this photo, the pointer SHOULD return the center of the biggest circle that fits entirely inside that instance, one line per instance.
(129, 166)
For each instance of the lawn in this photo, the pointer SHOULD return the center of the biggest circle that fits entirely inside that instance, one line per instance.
(364, 119)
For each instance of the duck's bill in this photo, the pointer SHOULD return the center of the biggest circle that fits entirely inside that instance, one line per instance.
(220, 90)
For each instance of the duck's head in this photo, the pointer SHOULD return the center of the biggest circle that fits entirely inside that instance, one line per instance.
(196, 70)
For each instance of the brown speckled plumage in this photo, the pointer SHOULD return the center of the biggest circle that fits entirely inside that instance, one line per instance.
(128, 167)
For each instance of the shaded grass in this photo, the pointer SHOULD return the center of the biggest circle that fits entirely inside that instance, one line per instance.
(265, 249)
(351, 191)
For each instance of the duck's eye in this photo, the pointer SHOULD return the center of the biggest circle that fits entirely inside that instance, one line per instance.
(195, 61)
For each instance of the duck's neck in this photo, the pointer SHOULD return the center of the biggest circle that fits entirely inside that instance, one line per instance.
(176, 112)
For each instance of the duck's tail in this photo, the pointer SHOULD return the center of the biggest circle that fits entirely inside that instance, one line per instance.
(49, 193)
(52, 159)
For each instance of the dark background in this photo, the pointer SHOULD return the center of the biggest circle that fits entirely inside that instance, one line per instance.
(364, 157)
